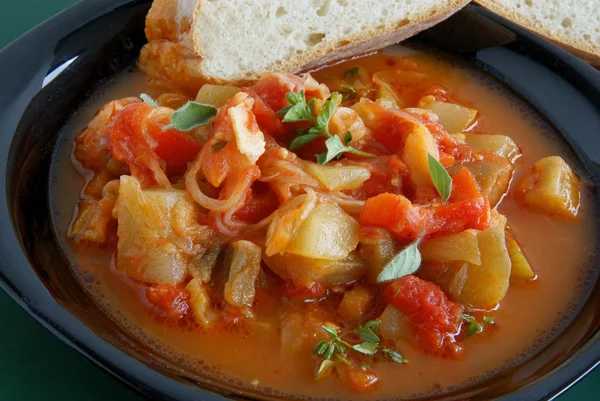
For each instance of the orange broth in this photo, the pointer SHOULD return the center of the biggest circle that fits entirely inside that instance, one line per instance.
(558, 251)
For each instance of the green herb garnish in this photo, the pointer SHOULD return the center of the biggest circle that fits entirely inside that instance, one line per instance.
(300, 110)
(335, 350)
(406, 262)
(440, 177)
(148, 100)
(474, 327)
(192, 115)
(352, 72)
(349, 93)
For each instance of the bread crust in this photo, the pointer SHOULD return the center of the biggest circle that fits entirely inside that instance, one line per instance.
(173, 20)
(581, 49)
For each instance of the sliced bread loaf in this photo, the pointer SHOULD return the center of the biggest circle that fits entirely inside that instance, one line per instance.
(238, 40)
(573, 24)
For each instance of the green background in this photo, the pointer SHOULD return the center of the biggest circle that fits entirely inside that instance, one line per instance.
(36, 366)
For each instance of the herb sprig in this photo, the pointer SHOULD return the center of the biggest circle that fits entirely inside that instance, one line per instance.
(440, 177)
(475, 327)
(188, 116)
(406, 262)
(300, 110)
(336, 349)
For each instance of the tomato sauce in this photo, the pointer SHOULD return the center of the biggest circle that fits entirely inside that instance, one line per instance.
(255, 359)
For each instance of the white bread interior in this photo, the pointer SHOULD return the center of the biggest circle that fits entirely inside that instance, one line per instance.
(573, 24)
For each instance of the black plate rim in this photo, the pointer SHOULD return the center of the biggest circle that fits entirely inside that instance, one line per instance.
(42, 307)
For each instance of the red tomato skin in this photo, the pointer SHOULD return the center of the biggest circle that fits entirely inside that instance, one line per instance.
(177, 149)
(432, 317)
(174, 301)
(259, 205)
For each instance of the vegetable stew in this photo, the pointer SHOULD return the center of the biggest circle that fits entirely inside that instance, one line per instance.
(369, 230)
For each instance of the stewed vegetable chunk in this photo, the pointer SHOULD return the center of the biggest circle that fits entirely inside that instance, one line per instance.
(492, 173)
(500, 145)
(551, 187)
(483, 286)
(149, 247)
(245, 267)
(327, 233)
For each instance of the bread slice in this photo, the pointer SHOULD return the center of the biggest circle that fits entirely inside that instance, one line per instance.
(573, 24)
(239, 40)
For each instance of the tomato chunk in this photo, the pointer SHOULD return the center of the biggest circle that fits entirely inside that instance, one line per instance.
(394, 212)
(260, 204)
(177, 149)
(404, 219)
(464, 186)
(174, 301)
(432, 317)
(459, 216)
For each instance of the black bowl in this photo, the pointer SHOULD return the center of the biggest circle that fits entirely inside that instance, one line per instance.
(49, 72)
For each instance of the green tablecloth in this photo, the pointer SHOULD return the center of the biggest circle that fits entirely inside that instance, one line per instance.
(34, 365)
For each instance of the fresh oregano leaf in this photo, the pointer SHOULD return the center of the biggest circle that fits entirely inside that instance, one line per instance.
(352, 72)
(474, 328)
(334, 148)
(148, 100)
(488, 320)
(324, 367)
(332, 332)
(295, 97)
(371, 324)
(349, 88)
(366, 348)
(302, 140)
(395, 356)
(325, 113)
(192, 115)
(330, 350)
(404, 263)
(320, 347)
(440, 177)
(347, 138)
(367, 335)
(298, 112)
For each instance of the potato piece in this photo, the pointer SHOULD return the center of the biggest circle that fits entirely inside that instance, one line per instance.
(286, 224)
(150, 248)
(202, 265)
(377, 247)
(393, 325)
(461, 246)
(327, 233)
(521, 269)
(486, 285)
(304, 272)
(356, 304)
(240, 288)
(419, 144)
(550, 187)
(95, 223)
(453, 117)
(216, 95)
(492, 173)
(200, 303)
(338, 177)
(386, 97)
(500, 145)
